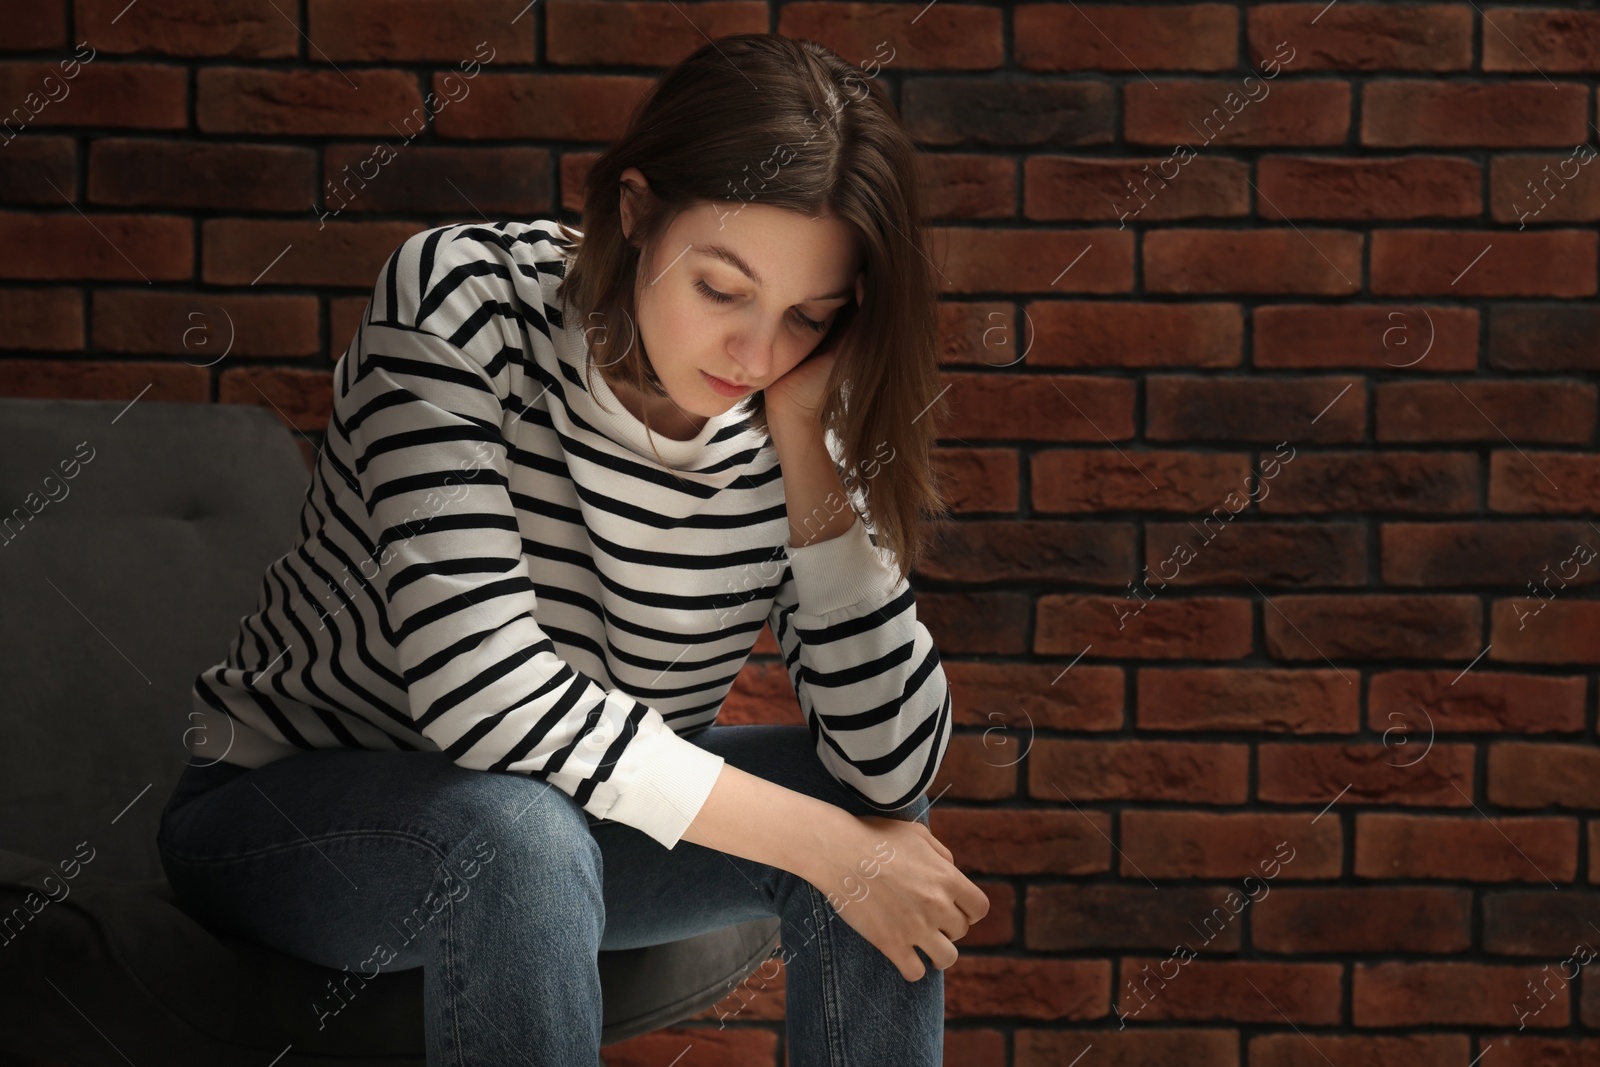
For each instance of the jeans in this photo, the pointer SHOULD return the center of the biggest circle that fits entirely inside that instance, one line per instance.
(328, 854)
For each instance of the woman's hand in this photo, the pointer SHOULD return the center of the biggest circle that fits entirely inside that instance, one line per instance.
(894, 883)
(798, 396)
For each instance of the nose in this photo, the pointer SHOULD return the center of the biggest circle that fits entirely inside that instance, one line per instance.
(753, 351)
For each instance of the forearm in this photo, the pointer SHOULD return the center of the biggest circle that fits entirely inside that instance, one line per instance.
(818, 506)
(742, 811)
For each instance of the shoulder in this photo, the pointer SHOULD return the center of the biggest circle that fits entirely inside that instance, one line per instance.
(439, 277)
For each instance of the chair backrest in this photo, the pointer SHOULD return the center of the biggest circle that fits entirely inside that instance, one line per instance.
(133, 538)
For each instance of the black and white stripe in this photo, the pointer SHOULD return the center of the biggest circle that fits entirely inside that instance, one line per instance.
(493, 563)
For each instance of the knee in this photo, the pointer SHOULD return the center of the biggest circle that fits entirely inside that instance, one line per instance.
(512, 820)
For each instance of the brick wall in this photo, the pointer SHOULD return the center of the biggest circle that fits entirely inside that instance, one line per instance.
(1271, 337)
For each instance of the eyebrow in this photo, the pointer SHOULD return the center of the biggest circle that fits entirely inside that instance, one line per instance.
(736, 261)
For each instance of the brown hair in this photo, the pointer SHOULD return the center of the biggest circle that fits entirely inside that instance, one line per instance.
(702, 135)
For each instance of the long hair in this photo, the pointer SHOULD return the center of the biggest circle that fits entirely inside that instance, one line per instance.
(786, 122)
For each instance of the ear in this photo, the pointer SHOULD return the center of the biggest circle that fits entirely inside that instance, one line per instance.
(861, 288)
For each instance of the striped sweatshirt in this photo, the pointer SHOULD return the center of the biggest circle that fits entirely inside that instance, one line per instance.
(493, 563)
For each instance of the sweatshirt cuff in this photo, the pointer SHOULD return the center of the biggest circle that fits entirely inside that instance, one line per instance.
(671, 781)
(840, 572)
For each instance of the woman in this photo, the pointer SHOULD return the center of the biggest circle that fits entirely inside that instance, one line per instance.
(569, 477)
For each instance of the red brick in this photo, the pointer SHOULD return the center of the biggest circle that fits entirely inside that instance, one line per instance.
(1517, 553)
(1127, 190)
(417, 31)
(1281, 554)
(1014, 699)
(1407, 1050)
(969, 186)
(104, 247)
(1466, 847)
(1126, 37)
(544, 107)
(495, 181)
(1041, 407)
(1110, 333)
(1230, 990)
(1372, 36)
(1544, 337)
(36, 26)
(1537, 922)
(1195, 772)
(1226, 698)
(1209, 1047)
(228, 177)
(147, 96)
(574, 169)
(302, 398)
(1407, 187)
(247, 251)
(1009, 113)
(974, 260)
(1027, 988)
(1537, 412)
(1077, 917)
(1479, 701)
(1088, 480)
(1513, 1051)
(1192, 844)
(1166, 627)
(41, 319)
(312, 102)
(82, 379)
(1382, 919)
(1542, 41)
(978, 479)
(1373, 626)
(983, 332)
(976, 623)
(1451, 994)
(998, 927)
(1532, 190)
(973, 1048)
(1196, 114)
(1209, 408)
(1461, 263)
(997, 550)
(1265, 262)
(1505, 114)
(1416, 339)
(1426, 482)
(1528, 774)
(201, 328)
(1364, 773)
(877, 36)
(1563, 631)
(1559, 483)
(39, 169)
(1034, 841)
(246, 29)
(722, 1045)
(973, 769)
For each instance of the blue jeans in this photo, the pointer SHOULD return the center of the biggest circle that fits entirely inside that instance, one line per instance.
(328, 854)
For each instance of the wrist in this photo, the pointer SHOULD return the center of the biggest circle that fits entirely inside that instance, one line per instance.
(830, 833)
(785, 423)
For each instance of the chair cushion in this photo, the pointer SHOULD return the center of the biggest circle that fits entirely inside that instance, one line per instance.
(95, 970)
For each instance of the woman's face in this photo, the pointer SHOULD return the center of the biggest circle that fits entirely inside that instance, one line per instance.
(738, 291)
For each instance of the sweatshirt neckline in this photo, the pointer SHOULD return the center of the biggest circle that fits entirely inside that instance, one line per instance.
(610, 416)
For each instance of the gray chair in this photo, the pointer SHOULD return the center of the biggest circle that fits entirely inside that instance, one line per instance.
(133, 539)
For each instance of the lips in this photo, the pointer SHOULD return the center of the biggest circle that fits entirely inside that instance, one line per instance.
(724, 387)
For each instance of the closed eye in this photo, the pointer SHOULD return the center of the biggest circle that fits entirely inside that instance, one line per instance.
(723, 298)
